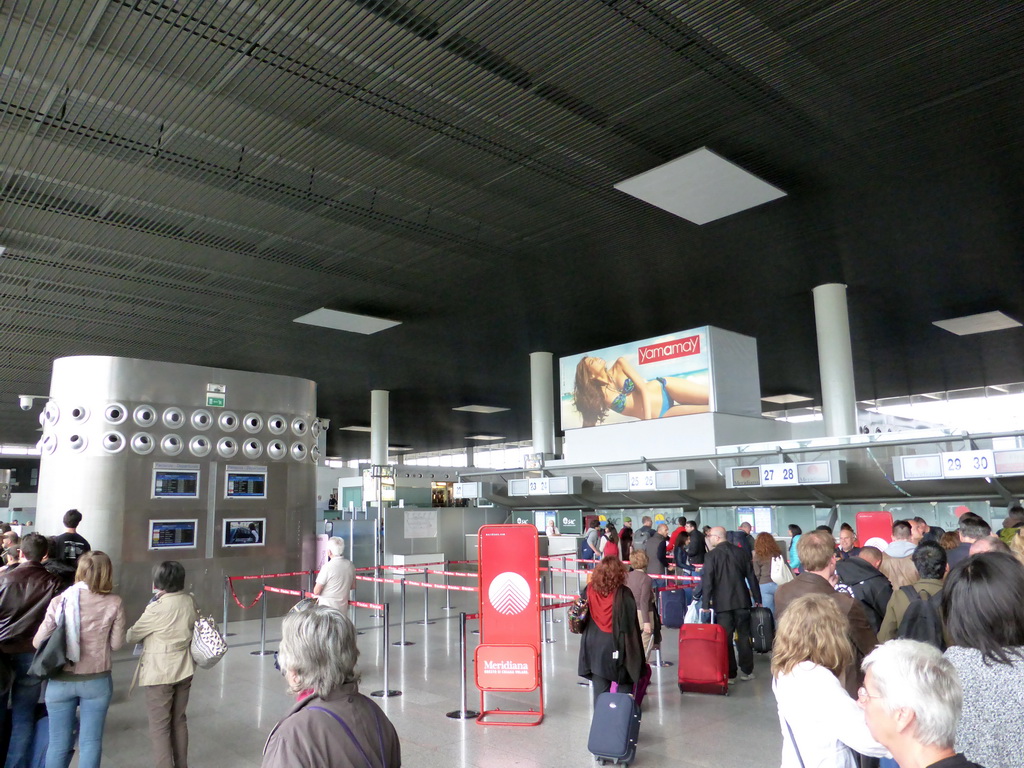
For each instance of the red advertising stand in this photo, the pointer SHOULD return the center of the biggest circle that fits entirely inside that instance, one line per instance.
(508, 657)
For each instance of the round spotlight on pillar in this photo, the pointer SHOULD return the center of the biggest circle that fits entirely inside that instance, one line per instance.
(145, 415)
(173, 418)
(227, 447)
(171, 445)
(200, 446)
(115, 413)
(113, 442)
(143, 443)
(202, 419)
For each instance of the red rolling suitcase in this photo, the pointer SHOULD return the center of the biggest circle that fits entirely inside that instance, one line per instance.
(703, 659)
(872, 524)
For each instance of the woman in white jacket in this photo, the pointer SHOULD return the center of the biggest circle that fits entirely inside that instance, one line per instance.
(822, 726)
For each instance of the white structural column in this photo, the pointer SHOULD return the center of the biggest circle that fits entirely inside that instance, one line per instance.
(835, 360)
(542, 402)
(379, 427)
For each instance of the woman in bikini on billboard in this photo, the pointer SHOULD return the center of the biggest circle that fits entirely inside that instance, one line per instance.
(621, 389)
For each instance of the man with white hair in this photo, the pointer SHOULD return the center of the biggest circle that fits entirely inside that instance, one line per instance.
(912, 700)
(335, 580)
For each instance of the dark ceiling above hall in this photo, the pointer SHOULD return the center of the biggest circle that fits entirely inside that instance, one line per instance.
(179, 180)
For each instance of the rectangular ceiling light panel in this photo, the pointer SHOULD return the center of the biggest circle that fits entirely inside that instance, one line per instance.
(485, 437)
(700, 187)
(784, 399)
(480, 409)
(980, 323)
(346, 321)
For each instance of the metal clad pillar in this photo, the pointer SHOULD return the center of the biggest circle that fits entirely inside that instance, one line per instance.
(542, 402)
(379, 427)
(835, 360)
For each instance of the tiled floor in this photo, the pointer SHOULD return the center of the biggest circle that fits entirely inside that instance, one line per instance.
(234, 706)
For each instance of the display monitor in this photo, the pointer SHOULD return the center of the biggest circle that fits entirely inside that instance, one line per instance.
(245, 485)
(175, 483)
(172, 534)
(244, 533)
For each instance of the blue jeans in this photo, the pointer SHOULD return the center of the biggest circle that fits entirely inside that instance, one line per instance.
(62, 699)
(768, 595)
(24, 696)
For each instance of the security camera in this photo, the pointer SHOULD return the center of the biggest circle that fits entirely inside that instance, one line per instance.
(25, 402)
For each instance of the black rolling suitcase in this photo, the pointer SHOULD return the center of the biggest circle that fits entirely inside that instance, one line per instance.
(614, 729)
(762, 629)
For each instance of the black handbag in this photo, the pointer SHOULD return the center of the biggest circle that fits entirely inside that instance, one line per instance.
(51, 656)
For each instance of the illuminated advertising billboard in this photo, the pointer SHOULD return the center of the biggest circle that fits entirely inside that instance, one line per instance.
(655, 378)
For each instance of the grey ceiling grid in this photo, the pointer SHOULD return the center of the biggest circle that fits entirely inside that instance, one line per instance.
(180, 180)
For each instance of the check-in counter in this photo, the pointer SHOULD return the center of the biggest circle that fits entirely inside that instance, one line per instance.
(548, 546)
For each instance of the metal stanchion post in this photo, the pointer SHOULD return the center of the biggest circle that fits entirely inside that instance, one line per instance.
(376, 591)
(385, 645)
(551, 589)
(309, 581)
(224, 627)
(658, 662)
(263, 627)
(447, 592)
(463, 713)
(565, 568)
(403, 641)
(426, 597)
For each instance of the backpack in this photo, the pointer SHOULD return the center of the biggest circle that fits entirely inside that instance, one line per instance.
(923, 619)
(640, 539)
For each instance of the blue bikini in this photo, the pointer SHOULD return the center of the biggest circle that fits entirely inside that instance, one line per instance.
(666, 401)
(619, 403)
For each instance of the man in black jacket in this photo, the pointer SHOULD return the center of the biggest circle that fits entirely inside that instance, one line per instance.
(869, 584)
(25, 593)
(696, 548)
(726, 586)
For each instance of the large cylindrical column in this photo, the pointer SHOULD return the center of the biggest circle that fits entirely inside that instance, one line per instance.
(835, 360)
(542, 402)
(379, 427)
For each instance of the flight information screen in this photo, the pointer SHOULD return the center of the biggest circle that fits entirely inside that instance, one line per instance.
(172, 534)
(246, 485)
(175, 484)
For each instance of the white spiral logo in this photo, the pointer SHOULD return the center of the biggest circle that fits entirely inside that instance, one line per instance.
(509, 593)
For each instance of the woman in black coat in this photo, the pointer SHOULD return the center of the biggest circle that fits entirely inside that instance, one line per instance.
(612, 626)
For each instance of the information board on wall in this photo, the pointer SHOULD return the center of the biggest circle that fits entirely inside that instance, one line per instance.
(244, 533)
(172, 534)
(175, 481)
(245, 482)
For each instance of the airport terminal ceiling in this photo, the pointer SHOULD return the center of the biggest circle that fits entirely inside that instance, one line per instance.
(180, 180)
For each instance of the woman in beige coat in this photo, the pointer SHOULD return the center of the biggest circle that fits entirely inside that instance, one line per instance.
(166, 667)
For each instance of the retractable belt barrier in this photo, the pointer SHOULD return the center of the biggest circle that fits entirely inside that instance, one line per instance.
(556, 600)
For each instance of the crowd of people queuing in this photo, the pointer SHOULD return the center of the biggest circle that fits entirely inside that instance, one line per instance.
(905, 653)
(59, 587)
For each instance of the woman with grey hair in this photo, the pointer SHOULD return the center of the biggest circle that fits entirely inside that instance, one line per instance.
(336, 727)
(912, 699)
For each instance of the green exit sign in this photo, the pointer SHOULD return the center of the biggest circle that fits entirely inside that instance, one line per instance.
(214, 400)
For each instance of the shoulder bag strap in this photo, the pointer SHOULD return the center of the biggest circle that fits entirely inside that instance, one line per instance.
(792, 739)
(343, 724)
